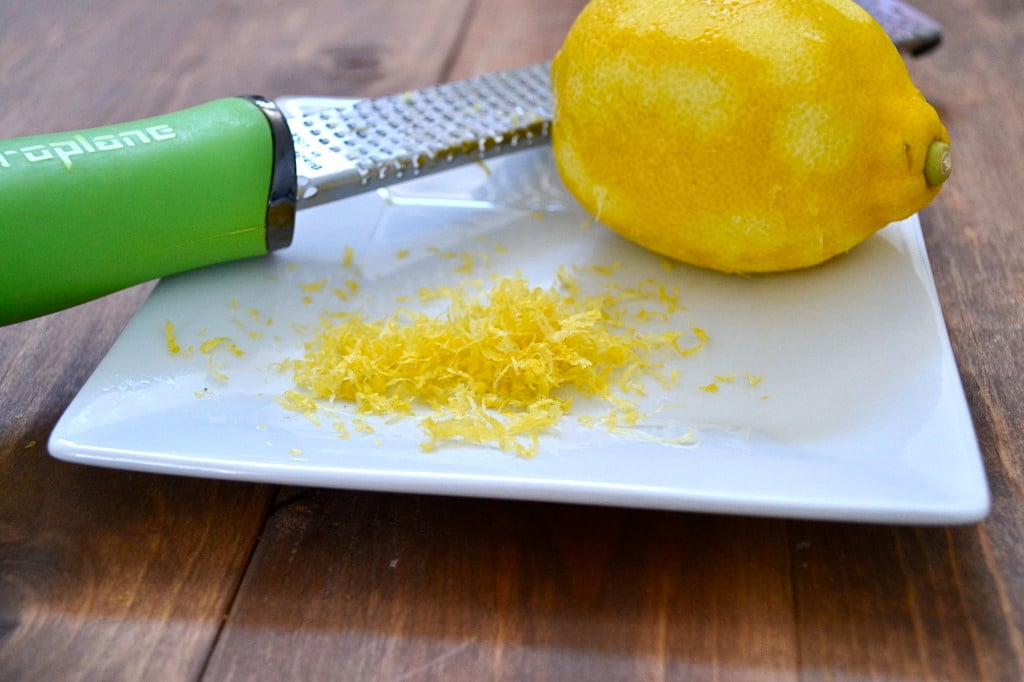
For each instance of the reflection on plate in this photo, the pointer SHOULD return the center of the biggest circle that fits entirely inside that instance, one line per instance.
(856, 413)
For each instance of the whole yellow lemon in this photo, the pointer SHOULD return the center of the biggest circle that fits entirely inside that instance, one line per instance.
(742, 135)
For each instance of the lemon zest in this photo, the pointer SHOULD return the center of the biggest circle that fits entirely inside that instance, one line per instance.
(312, 287)
(172, 340)
(497, 367)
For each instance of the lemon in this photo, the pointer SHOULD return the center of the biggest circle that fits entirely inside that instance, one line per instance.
(742, 135)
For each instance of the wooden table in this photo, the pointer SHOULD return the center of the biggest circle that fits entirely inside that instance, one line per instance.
(111, 575)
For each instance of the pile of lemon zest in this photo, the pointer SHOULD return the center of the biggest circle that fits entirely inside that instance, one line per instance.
(172, 340)
(709, 388)
(346, 260)
(312, 287)
(493, 368)
(754, 379)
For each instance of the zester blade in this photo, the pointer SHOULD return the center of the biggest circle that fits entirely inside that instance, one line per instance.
(371, 143)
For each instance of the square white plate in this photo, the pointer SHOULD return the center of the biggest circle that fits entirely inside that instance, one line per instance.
(859, 413)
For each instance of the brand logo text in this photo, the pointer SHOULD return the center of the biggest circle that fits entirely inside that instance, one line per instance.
(78, 144)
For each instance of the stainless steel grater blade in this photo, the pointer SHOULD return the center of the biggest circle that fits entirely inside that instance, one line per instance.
(372, 143)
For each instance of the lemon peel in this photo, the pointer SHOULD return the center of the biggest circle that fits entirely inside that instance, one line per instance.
(752, 136)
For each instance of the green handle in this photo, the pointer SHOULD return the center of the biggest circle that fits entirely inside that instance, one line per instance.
(83, 214)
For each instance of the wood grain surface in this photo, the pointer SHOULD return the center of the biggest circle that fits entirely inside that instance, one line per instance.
(108, 575)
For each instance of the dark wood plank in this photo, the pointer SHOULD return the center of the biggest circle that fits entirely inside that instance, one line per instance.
(373, 586)
(103, 575)
(505, 35)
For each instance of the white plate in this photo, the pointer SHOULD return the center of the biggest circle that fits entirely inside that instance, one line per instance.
(860, 414)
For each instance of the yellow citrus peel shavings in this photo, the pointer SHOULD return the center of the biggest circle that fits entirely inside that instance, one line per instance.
(209, 345)
(313, 287)
(497, 367)
(172, 340)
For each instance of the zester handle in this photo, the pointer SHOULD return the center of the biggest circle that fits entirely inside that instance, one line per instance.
(89, 212)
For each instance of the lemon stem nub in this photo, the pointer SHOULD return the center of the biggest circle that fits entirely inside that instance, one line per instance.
(938, 163)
